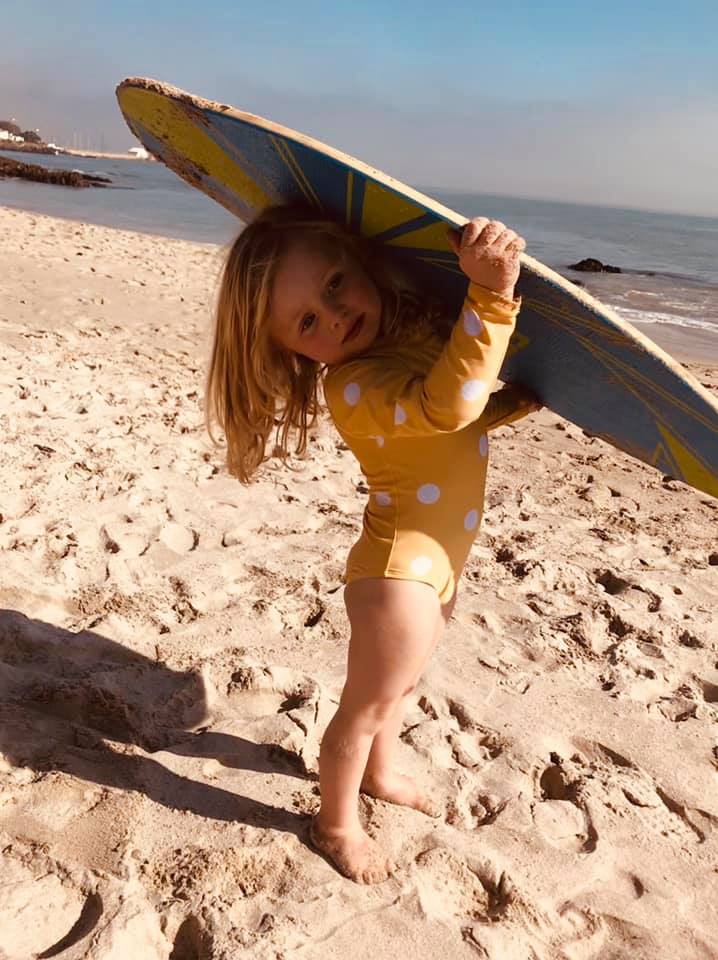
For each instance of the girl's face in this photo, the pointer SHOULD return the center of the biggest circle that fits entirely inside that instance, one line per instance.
(324, 305)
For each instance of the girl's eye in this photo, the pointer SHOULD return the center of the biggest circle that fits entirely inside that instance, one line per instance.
(335, 282)
(307, 322)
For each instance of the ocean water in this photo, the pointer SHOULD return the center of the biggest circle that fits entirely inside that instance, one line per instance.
(669, 261)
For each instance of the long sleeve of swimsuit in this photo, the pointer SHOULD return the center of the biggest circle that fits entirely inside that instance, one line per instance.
(506, 406)
(369, 396)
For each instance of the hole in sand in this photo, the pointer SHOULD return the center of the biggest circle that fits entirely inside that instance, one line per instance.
(552, 784)
(638, 886)
(611, 583)
(191, 942)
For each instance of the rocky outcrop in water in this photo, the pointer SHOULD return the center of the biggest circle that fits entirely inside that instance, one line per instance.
(65, 178)
(591, 265)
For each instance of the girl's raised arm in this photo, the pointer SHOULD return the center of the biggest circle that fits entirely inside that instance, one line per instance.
(367, 399)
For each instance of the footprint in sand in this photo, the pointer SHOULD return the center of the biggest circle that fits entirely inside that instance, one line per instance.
(624, 787)
(566, 932)
(560, 815)
(283, 708)
(677, 708)
(448, 886)
(179, 538)
(495, 915)
(489, 743)
(475, 809)
(450, 735)
(122, 538)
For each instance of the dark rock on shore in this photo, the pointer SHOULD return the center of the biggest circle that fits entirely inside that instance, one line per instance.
(590, 265)
(29, 148)
(65, 178)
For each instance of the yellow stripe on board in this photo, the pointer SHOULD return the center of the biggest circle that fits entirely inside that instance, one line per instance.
(432, 237)
(167, 121)
(384, 210)
(290, 162)
(692, 470)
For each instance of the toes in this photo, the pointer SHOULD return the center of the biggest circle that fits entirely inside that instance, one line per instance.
(364, 863)
(379, 869)
(378, 874)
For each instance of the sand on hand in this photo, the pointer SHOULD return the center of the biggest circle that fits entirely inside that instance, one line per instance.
(172, 647)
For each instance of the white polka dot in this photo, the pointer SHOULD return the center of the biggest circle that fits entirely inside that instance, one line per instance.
(379, 441)
(399, 414)
(471, 520)
(383, 499)
(472, 323)
(428, 493)
(421, 566)
(483, 445)
(473, 390)
(352, 392)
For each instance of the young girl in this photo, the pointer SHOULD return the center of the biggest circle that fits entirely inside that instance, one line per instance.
(304, 303)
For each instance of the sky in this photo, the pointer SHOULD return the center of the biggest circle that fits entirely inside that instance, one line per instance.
(614, 103)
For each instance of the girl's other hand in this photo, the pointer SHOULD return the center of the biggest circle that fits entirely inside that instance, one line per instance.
(526, 399)
(489, 254)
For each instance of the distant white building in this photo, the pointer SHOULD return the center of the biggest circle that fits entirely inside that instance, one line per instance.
(139, 153)
(13, 138)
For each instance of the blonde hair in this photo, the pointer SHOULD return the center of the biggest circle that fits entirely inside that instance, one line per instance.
(254, 386)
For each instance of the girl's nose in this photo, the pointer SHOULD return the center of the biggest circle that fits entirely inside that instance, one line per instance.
(339, 313)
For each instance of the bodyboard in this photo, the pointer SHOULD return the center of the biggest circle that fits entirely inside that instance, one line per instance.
(578, 356)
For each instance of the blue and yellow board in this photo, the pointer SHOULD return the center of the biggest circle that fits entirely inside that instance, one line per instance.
(580, 358)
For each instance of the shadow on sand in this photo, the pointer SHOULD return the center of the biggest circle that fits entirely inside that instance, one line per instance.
(81, 703)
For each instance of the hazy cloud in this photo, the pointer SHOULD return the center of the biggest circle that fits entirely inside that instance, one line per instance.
(614, 149)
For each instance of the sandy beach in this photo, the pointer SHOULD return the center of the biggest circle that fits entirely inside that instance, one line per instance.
(172, 647)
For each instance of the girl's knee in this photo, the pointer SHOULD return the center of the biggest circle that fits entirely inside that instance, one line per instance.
(367, 714)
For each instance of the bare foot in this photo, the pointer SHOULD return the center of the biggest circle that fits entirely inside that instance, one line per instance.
(400, 790)
(353, 853)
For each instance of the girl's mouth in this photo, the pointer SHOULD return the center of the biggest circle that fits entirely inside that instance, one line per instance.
(354, 329)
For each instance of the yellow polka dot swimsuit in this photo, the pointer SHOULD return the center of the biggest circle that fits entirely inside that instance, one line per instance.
(416, 415)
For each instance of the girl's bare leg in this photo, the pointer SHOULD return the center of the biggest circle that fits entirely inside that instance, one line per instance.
(392, 633)
(380, 778)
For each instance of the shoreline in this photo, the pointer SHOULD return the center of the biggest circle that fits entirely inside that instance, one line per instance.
(99, 155)
(174, 645)
(43, 150)
(688, 346)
